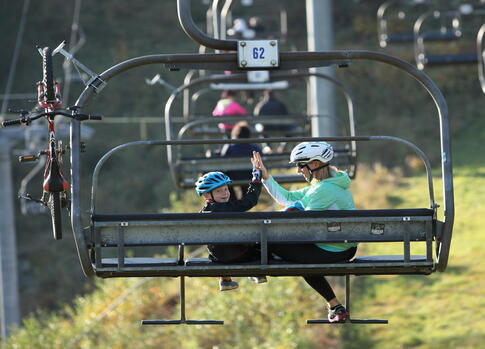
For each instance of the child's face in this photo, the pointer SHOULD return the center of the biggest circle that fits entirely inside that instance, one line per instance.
(220, 194)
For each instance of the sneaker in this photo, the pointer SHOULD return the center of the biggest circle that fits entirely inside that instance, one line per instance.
(338, 314)
(227, 285)
(258, 279)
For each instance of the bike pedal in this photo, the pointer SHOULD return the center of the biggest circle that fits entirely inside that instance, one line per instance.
(28, 158)
(28, 197)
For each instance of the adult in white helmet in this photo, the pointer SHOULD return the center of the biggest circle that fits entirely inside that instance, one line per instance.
(328, 190)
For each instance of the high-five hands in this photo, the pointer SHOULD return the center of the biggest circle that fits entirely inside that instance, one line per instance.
(259, 165)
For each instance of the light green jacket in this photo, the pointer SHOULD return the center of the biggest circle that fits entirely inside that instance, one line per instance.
(330, 194)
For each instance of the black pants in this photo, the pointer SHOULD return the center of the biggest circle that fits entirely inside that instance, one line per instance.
(312, 254)
(233, 253)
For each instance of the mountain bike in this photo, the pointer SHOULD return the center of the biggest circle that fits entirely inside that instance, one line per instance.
(55, 186)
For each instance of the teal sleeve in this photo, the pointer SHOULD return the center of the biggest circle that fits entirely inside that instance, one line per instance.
(281, 195)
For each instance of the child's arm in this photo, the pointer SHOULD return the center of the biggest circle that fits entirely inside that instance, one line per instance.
(249, 200)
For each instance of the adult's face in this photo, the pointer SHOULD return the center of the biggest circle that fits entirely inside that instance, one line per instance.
(303, 168)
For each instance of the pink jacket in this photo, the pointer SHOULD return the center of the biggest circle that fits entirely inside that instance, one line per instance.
(227, 107)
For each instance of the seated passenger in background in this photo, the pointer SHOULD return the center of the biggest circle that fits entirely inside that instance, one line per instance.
(228, 106)
(213, 187)
(240, 131)
(270, 105)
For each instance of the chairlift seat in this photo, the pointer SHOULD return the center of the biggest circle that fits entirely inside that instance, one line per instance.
(439, 36)
(181, 229)
(397, 38)
(140, 261)
(463, 58)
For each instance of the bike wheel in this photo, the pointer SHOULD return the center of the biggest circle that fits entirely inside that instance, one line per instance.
(55, 209)
(47, 74)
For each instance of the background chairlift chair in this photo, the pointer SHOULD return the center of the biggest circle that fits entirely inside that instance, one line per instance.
(266, 26)
(186, 169)
(446, 26)
(480, 57)
(395, 19)
(118, 231)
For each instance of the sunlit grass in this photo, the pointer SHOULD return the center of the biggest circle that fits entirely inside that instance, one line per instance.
(443, 310)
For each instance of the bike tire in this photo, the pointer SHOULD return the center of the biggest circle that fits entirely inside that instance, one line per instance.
(55, 209)
(47, 74)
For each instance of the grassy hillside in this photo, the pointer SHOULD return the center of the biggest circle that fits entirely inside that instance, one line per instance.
(444, 310)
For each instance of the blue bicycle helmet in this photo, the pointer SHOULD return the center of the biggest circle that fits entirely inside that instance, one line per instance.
(211, 181)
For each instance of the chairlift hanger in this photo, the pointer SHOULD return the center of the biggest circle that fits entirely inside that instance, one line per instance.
(437, 234)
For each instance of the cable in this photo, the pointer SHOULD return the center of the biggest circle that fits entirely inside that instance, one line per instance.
(73, 47)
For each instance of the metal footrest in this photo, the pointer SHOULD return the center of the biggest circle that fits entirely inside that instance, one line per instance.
(182, 322)
(349, 321)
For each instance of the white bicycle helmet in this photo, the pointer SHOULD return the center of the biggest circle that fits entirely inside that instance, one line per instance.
(309, 151)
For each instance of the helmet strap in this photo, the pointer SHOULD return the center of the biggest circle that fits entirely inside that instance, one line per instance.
(314, 170)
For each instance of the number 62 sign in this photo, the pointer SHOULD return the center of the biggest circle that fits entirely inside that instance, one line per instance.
(258, 54)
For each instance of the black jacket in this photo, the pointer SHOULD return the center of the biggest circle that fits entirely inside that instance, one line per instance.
(249, 200)
(234, 253)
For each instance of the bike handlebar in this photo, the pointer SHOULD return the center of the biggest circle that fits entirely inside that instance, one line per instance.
(11, 122)
(26, 119)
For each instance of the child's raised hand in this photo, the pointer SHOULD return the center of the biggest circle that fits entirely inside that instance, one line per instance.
(258, 163)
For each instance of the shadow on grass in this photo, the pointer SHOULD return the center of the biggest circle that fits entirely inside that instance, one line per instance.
(456, 269)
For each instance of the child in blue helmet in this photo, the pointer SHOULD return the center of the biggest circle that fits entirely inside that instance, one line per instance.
(213, 186)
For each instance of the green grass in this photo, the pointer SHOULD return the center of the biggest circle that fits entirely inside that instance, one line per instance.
(443, 310)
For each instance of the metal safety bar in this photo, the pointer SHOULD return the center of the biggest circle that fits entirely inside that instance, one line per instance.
(168, 143)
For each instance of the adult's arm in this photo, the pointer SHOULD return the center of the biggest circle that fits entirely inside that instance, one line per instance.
(281, 195)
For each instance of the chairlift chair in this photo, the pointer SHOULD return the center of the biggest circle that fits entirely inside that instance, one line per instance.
(480, 57)
(393, 16)
(450, 28)
(120, 231)
(186, 169)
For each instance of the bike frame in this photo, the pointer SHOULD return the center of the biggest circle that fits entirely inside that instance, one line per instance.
(54, 181)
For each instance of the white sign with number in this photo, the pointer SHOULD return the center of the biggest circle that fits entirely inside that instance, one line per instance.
(258, 54)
